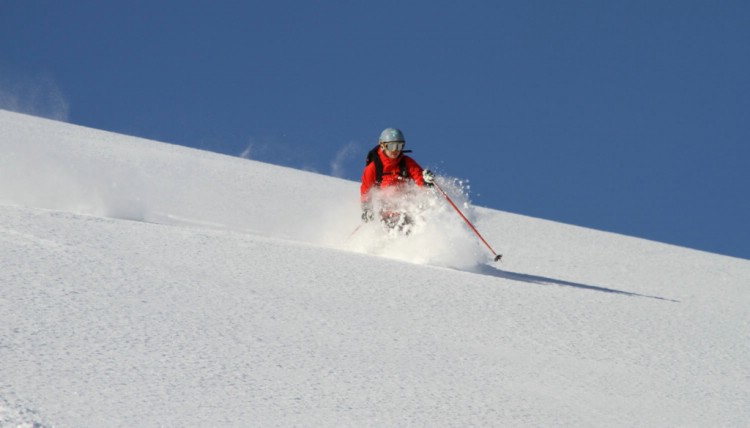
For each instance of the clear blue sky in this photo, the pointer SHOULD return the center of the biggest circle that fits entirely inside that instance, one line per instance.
(626, 116)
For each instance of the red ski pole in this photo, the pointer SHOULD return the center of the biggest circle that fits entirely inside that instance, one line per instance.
(497, 256)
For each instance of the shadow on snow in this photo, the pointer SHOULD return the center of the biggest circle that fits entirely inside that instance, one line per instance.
(534, 279)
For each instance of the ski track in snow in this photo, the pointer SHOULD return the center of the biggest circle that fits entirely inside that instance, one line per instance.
(145, 284)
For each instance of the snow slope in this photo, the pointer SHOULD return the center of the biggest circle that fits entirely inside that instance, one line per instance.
(147, 284)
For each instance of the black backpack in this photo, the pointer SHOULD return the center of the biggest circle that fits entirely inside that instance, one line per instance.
(372, 156)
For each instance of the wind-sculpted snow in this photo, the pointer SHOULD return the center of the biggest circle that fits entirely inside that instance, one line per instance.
(16, 416)
(144, 284)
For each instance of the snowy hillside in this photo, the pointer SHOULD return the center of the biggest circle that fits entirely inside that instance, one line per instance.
(147, 284)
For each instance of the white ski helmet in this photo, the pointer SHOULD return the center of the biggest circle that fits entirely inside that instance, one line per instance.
(391, 135)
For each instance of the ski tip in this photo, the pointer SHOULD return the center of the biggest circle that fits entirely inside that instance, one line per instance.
(498, 257)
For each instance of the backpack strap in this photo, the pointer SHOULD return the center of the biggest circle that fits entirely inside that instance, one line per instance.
(372, 156)
(402, 166)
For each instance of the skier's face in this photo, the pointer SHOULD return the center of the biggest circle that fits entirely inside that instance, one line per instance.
(392, 150)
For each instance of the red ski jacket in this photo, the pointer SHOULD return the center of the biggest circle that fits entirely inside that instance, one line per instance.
(391, 173)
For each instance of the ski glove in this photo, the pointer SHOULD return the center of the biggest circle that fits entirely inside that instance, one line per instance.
(367, 215)
(428, 177)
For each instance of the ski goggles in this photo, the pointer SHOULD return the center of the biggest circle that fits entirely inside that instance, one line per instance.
(393, 146)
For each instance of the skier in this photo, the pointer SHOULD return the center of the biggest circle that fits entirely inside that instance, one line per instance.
(387, 167)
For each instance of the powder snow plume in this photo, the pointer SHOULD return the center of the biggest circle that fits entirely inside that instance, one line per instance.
(434, 233)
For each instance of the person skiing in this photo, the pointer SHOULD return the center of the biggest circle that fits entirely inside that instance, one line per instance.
(387, 167)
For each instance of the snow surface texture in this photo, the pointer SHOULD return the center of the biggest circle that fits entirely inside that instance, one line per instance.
(147, 284)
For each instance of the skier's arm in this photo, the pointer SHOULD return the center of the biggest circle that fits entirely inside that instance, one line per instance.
(415, 172)
(368, 181)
